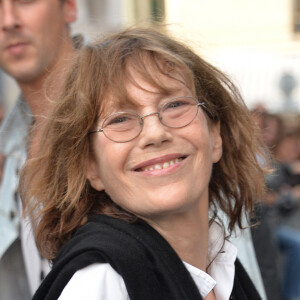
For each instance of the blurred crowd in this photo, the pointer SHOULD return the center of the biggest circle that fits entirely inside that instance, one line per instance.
(280, 206)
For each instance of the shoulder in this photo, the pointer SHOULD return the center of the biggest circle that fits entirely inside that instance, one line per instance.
(94, 282)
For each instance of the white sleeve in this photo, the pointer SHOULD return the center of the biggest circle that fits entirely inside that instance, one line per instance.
(95, 282)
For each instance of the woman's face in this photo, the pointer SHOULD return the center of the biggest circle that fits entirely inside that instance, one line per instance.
(163, 171)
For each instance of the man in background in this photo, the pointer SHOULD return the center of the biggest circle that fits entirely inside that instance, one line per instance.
(35, 43)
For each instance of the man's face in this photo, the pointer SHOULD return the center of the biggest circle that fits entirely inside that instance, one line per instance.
(33, 34)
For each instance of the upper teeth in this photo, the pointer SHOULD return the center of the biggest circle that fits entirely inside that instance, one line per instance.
(164, 165)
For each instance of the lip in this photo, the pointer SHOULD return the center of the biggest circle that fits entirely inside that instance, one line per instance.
(16, 48)
(160, 160)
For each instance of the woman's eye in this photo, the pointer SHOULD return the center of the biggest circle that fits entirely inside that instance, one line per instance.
(123, 120)
(176, 104)
(118, 120)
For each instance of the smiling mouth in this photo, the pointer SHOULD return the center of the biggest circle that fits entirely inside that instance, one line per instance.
(160, 166)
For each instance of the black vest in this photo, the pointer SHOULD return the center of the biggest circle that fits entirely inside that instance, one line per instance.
(149, 266)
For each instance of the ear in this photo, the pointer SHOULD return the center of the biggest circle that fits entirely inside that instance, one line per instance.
(93, 176)
(70, 11)
(216, 139)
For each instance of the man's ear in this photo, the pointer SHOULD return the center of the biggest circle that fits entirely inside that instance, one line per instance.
(93, 176)
(70, 11)
(217, 148)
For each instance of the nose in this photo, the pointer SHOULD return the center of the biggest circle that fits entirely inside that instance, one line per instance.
(9, 16)
(154, 133)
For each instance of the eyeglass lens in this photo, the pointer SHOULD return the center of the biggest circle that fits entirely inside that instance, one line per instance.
(125, 126)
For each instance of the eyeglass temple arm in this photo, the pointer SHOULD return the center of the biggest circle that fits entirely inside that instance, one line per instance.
(203, 104)
(98, 130)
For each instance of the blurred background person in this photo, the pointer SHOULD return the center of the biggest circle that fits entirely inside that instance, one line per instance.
(282, 199)
(35, 42)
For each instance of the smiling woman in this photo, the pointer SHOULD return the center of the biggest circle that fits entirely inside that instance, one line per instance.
(146, 138)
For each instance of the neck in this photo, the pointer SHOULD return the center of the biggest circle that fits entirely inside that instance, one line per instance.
(187, 233)
(41, 94)
(36, 97)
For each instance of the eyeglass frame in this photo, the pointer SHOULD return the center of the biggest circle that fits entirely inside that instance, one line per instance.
(198, 104)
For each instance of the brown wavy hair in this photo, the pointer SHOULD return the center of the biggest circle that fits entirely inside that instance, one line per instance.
(56, 193)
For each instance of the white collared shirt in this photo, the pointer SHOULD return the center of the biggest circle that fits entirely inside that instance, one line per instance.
(101, 282)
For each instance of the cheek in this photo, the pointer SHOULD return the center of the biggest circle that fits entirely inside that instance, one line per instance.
(197, 133)
(47, 23)
(112, 158)
(115, 173)
(202, 141)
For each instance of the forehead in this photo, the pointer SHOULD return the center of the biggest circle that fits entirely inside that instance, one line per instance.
(158, 84)
(138, 84)
(27, 3)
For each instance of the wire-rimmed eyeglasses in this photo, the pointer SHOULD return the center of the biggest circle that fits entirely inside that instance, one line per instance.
(122, 127)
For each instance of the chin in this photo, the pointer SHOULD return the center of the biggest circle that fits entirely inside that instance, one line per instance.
(167, 205)
(27, 71)
(28, 77)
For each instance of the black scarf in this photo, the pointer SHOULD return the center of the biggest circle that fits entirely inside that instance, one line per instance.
(149, 266)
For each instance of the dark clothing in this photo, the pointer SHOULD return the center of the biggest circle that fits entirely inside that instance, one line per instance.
(151, 269)
(266, 253)
(283, 217)
(13, 279)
